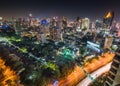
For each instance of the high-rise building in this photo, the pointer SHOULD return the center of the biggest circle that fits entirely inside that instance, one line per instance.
(30, 19)
(98, 24)
(52, 29)
(119, 33)
(1, 22)
(108, 19)
(1, 18)
(85, 23)
(64, 23)
(92, 25)
(78, 24)
(108, 42)
(113, 78)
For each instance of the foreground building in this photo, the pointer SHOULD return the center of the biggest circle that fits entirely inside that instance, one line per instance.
(113, 78)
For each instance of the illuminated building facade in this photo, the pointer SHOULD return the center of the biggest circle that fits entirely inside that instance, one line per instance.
(98, 24)
(108, 42)
(30, 19)
(78, 23)
(107, 20)
(55, 30)
(1, 21)
(85, 23)
(52, 29)
(1, 18)
(64, 23)
(92, 25)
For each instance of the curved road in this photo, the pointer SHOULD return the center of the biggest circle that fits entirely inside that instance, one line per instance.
(97, 73)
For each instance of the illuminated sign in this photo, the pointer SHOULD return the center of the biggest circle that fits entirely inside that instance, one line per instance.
(5, 27)
(44, 22)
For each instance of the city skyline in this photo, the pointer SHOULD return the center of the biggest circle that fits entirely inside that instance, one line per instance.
(43, 8)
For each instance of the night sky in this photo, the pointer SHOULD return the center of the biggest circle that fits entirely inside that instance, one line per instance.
(71, 8)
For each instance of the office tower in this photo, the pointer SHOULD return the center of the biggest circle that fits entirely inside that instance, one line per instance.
(85, 23)
(108, 19)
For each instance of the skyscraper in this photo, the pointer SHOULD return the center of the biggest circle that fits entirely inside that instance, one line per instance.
(30, 19)
(107, 20)
(85, 23)
(113, 78)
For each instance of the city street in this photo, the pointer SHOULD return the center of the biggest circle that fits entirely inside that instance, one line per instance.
(97, 73)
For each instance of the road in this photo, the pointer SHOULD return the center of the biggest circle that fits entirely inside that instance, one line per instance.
(78, 74)
(97, 73)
